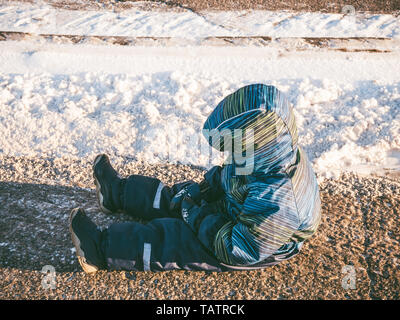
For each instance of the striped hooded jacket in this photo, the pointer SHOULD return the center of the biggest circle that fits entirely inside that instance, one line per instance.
(275, 206)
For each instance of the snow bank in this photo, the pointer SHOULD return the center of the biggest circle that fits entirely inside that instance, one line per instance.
(149, 104)
(44, 19)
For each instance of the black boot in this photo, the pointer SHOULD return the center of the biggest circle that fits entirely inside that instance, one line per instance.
(109, 186)
(87, 239)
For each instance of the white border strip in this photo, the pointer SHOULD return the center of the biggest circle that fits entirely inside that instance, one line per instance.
(157, 197)
(146, 256)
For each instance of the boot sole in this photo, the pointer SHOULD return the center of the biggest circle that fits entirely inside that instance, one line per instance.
(88, 268)
(98, 188)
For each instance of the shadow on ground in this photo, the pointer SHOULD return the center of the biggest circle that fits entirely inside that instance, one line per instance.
(358, 234)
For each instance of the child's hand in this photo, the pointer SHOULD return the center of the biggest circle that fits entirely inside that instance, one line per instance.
(191, 192)
(186, 205)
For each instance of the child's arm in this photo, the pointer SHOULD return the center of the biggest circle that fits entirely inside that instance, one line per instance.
(268, 221)
(209, 189)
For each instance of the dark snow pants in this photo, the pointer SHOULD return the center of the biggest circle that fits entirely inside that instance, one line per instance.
(166, 242)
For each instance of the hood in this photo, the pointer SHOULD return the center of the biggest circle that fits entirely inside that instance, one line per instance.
(261, 115)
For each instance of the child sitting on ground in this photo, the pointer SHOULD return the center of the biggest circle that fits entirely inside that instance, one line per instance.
(239, 217)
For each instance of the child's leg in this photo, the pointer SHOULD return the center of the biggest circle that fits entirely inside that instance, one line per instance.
(148, 198)
(161, 245)
(138, 196)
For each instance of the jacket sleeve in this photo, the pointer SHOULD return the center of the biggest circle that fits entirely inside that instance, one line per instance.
(266, 223)
(204, 220)
(210, 188)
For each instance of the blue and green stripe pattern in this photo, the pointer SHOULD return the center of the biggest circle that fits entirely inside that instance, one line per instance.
(273, 209)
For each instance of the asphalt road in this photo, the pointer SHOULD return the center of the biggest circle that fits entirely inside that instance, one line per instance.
(359, 237)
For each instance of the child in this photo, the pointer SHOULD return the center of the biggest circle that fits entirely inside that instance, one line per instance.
(229, 221)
